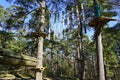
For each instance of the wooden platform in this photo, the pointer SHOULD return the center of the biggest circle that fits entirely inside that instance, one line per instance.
(100, 21)
(11, 58)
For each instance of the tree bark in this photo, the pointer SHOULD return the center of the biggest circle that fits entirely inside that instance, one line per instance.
(99, 46)
(40, 58)
(40, 42)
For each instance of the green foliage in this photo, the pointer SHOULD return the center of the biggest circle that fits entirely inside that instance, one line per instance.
(28, 4)
(4, 37)
(67, 69)
(1, 13)
(110, 40)
(110, 14)
(15, 17)
(34, 22)
(16, 45)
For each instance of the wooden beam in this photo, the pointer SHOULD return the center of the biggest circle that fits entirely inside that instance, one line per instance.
(17, 61)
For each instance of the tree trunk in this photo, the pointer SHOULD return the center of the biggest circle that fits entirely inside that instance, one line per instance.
(39, 57)
(99, 46)
(82, 66)
(40, 42)
(52, 65)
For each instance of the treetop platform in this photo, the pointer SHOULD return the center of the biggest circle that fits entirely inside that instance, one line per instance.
(100, 21)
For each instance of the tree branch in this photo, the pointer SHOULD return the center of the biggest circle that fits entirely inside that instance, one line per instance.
(29, 13)
(39, 2)
(113, 3)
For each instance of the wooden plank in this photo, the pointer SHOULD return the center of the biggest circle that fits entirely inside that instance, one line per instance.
(17, 61)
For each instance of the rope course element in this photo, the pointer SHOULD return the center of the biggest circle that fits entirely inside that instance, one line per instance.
(16, 70)
(101, 21)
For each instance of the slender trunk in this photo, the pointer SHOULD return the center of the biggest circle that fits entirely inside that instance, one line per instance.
(40, 42)
(82, 57)
(63, 23)
(82, 66)
(99, 46)
(94, 68)
(54, 36)
(39, 57)
(59, 35)
(76, 66)
(68, 21)
(78, 60)
(62, 64)
(52, 66)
